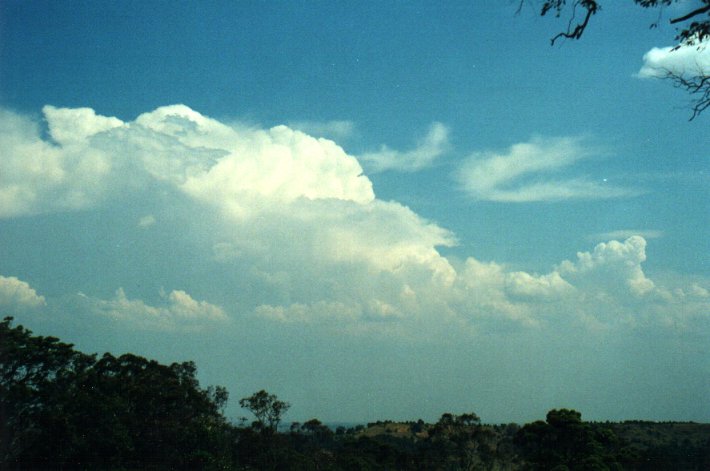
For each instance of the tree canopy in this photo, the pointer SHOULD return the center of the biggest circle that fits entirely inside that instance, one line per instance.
(267, 409)
(564, 441)
(62, 408)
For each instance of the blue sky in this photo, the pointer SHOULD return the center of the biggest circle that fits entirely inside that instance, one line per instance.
(374, 210)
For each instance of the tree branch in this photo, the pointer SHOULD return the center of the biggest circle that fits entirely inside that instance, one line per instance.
(698, 87)
(693, 13)
(590, 5)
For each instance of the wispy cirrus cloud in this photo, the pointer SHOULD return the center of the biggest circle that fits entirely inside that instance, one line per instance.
(533, 171)
(431, 147)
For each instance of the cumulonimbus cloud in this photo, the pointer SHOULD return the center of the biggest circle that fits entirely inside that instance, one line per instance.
(424, 155)
(534, 171)
(93, 158)
(297, 221)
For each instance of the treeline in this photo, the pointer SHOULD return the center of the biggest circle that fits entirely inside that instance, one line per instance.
(66, 410)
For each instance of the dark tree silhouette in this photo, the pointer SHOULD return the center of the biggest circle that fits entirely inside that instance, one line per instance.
(694, 31)
(564, 441)
(267, 409)
(63, 409)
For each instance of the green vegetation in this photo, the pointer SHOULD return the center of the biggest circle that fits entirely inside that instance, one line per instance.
(63, 409)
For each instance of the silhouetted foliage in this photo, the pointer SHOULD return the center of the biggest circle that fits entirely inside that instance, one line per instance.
(37, 375)
(694, 31)
(564, 441)
(267, 409)
(63, 409)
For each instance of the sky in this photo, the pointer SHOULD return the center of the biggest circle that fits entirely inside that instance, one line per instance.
(374, 210)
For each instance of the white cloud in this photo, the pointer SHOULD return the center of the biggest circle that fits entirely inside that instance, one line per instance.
(279, 166)
(295, 233)
(73, 125)
(180, 311)
(321, 311)
(685, 60)
(523, 173)
(294, 209)
(611, 266)
(699, 291)
(548, 286)
(336, 130)
(623, 234)
(146, 221)
(388, 236)
(181, 305)
(15, 293)
(424, 155)
(491, 295)
(96, 158)
(480, 294)
(603, 288)
(36, 176)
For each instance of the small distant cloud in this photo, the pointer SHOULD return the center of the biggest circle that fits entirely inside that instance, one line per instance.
(610, 266)
(432, 146)
(146, 221)
(19, 294)
(181, 305)
(685, 60)
(335, 130)
(320, 311)
(519, 175)
(73, 125)
(180, 311)
(624, 234)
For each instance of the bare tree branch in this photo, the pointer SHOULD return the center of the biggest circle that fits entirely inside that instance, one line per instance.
(578, 30)
(697, 83)
(591, 7)
(693, 13)
(697, 86)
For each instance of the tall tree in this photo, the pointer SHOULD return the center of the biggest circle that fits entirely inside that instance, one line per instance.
(63, 409)
(564, 441)
(267, 408)
(35, 373)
